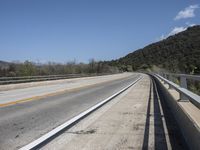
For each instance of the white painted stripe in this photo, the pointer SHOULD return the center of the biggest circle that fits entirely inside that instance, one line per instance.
(53, 132)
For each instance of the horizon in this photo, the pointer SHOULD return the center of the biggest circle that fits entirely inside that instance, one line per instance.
(66, 31)
(37, 62)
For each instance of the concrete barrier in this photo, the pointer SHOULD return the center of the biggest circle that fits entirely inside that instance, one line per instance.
(186, 115)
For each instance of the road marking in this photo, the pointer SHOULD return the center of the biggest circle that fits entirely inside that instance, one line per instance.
(58, 129)
(42, 96)
(47, 95)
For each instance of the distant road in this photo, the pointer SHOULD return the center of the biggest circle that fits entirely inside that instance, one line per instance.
(14, 93)
(22, 123)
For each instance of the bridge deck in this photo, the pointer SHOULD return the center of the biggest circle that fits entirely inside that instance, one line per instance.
(137, 119)
(16, 93)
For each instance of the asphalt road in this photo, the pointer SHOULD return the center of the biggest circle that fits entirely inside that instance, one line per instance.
(22, 123)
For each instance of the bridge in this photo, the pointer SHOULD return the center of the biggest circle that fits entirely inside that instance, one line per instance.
(120, 111)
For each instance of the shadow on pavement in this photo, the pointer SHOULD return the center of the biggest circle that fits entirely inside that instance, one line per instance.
(176, 140)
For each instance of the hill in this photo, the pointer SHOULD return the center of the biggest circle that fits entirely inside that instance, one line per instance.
(178, 53)
(4, 64)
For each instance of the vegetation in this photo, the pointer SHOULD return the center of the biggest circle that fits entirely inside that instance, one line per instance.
(28, 68)
(179, 54)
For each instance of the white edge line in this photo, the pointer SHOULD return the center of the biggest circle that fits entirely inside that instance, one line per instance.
(48, 135)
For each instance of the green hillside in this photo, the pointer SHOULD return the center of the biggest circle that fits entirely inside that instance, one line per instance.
(178, 53)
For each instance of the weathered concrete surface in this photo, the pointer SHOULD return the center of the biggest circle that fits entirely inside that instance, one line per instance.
(186, 114)
(134, 120)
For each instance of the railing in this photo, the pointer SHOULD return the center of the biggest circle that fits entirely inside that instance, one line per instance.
(183, 78)
(30, 77)
(24, 79)
(185, 94)
(10, 80)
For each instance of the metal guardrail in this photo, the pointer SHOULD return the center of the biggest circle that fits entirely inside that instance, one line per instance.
(183, 78)
(30, 77)
(24, 79)
(184, 93)
(13, 80)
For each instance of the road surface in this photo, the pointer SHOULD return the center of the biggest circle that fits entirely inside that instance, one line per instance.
(138, 119)
(21, 123)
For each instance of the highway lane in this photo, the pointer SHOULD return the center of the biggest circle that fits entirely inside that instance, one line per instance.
(13, 93)
(24, 122)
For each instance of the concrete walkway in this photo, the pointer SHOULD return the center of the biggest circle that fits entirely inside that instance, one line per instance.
(133, 120)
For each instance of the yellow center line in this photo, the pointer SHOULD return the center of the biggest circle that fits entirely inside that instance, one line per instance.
(44, 96)
(40, 97)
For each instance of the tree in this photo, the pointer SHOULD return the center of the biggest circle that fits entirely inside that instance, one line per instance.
(27, 69)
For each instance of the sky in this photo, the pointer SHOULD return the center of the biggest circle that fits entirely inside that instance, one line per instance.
(67, 30)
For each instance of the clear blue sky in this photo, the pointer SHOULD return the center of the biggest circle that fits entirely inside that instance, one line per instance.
(63, 30)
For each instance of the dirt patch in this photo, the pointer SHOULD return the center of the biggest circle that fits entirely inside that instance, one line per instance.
(91, 131)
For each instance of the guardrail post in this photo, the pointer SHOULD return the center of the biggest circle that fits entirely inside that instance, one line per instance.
(170, 79)
(183, 84)
(165, 76)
